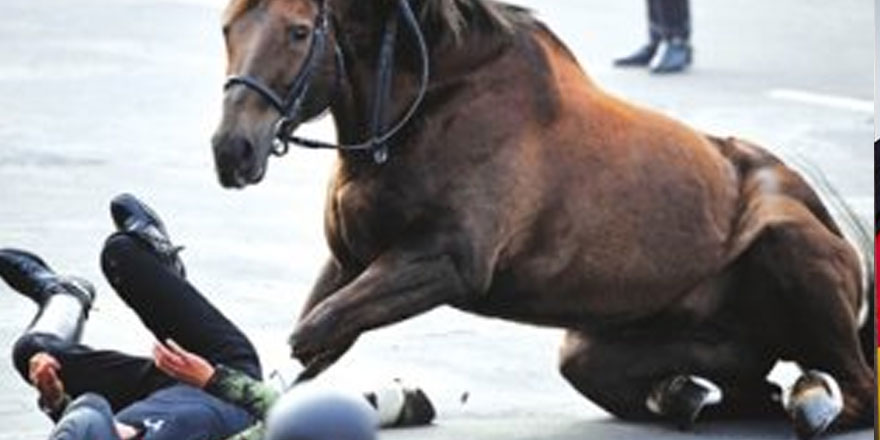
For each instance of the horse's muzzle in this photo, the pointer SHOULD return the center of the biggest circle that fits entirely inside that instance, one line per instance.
(237, 162)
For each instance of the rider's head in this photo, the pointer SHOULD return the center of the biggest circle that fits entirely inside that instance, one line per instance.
(309, 413)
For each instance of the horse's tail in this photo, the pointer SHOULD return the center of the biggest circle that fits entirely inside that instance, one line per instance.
(858, 233)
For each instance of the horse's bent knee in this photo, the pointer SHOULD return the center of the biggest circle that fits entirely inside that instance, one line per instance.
(621, 398)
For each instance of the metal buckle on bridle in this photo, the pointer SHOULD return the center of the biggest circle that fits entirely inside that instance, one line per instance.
(281, 138)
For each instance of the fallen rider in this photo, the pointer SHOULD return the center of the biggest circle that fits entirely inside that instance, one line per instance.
(212, 392)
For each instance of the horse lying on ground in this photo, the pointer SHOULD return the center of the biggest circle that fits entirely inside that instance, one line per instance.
(480, 167)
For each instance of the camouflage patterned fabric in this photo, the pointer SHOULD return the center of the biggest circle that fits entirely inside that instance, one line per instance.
(255, 432)
(246, 392)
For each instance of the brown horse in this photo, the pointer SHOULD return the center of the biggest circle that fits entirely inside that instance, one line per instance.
(480, 167)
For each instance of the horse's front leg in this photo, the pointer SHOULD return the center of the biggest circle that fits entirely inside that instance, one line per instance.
(333, 277)
(398, 285)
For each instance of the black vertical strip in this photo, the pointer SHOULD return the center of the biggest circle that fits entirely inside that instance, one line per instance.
(383, 85)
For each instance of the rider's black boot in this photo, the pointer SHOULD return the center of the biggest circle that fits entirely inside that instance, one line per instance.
(135, 218)
(64, 304)
(29, 275)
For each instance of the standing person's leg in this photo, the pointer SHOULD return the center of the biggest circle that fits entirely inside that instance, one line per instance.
(63, 308)
(675, 19)
(151, 284)
(656, 20)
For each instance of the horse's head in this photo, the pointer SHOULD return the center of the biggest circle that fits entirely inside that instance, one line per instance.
(281, 73)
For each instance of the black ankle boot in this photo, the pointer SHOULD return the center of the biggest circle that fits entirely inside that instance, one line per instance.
(135, 218)
(64, 301)
(639, 58)
(28, 274)
(675, 55)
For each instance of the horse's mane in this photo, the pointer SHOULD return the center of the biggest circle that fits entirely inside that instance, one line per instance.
(452, 18)
(457, 17)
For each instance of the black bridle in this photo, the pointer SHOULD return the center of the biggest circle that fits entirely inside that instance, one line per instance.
(290, 106)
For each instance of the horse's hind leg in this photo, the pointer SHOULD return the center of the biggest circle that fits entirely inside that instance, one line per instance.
(625, 375)
(817, 277)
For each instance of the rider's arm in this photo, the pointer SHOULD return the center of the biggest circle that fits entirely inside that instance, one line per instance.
(223, 382)
(242, 390)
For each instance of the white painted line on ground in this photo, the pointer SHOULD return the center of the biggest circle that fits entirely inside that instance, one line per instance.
(821, 99)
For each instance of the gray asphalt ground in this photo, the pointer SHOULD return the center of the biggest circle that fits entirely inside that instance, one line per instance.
(103, 96)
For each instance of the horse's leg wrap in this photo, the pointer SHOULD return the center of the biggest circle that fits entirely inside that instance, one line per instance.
(813, 403)
(682, 398)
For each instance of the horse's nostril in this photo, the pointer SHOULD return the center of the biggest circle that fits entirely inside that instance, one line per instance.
(247, 150)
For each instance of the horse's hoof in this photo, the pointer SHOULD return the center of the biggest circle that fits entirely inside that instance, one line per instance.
(813, 404)
(681, 399)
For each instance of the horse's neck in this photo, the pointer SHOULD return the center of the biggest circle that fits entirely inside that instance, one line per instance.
(450, 64)
(353, 110)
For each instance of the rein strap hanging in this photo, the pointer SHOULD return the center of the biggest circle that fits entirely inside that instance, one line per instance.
(383, 86)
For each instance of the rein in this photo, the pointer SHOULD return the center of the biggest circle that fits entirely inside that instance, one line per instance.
(291, 105)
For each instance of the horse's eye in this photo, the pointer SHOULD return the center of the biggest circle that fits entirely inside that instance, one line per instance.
(300, 32)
